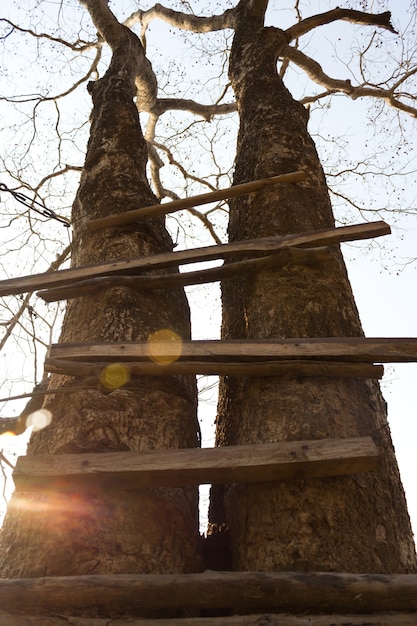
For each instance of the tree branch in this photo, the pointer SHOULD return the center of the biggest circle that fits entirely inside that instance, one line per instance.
(92, 70)
(182, 21)
(206, 111)
(132, 54)
(383, 20)
(78, 46)
(4, 459)
(16, 319)
(334, 85)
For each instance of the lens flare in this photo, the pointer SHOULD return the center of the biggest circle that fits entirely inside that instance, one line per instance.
(115, 375)
(7, 434)
(56, 507)
(39, 419)
(164, 346)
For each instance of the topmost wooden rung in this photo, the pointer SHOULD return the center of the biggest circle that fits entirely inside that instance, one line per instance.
(204, 198)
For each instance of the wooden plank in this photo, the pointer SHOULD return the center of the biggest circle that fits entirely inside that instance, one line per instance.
(177, 468)
(212, 368)
(130, 594)
(358, 349)
(253, 247)
(265, 619)
(299, 256)
(204, 198)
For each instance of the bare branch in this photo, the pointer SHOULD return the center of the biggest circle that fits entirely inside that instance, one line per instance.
(355, 17)
(3, 459)
(78, 46)
(207, 111)
(15, 320)
(334, 85)
(64, 170)
(92, 70)
(183, 21)
(318, 96)
(25, 304)
(165, 193)
(182, 169)
(206, 222)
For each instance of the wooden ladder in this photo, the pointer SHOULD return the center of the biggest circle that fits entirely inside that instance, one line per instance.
(262, 598)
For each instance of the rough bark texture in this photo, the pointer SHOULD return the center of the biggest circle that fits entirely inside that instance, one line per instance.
(104, 530)
(354, 523)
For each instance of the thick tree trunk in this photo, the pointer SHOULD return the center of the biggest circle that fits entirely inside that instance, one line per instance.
(353, 523)
(104, 530)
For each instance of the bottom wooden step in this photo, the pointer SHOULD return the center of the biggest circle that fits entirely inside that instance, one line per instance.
(264, 619)
(133, 595)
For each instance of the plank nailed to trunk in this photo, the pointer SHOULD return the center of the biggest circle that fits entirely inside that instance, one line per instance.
(285, 256)
(131, 594)
(212, 368)
(265, 619)
(357, 349)
(204, 198)
(253, 247)
(176, 468)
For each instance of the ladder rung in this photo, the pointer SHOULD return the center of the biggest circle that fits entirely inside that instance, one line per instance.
(133, 594)
(190, 466)
(204, 198)
(346, 349)
(283, 257)
(259, 619)
(253, 247)
(328, 369)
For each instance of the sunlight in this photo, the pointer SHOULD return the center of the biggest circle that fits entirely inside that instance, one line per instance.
(51, 504)
(39, 419)
(115, 375)
(164, 346)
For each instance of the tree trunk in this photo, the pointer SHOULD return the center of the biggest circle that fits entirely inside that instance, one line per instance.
(354, 523)
(104, 530)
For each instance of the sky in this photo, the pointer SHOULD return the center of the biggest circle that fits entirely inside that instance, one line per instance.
(383, 274)
(387, 304)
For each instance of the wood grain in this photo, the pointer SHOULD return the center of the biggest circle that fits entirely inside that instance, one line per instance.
(175, 468)
(216, 368)
(299, 256)
(254, 247)
(204, 198)
(357, 349)
(265, 619)
(130, 594)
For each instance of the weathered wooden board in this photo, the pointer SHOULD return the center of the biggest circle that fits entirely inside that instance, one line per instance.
(265, 619)
(204, 198)
(176, 468)
(299, 256)
(253, 247)
(359, 349)
(131, 595)
(212, 368)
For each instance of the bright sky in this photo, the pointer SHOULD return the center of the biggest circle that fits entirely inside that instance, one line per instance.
(387, 304)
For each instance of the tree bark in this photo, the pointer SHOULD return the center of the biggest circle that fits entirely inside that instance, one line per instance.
(107, 530)
(353, 523)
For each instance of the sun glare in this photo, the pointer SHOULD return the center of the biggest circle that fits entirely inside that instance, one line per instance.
(39, 419)
(164, 346)
(115, 375)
